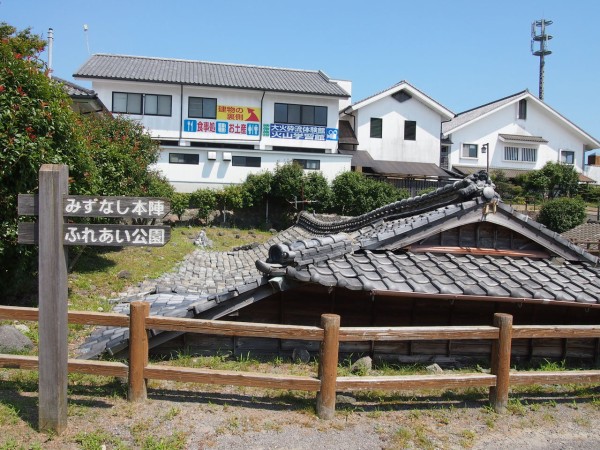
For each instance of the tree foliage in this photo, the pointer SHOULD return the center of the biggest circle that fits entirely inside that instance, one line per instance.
(355, 194)
(562, 214)
(552, 181)
(105, 156)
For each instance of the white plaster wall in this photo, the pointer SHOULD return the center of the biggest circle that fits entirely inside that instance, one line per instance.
(392, 146)
(172, 127)
(593, 172)
(218, 173)
(538, 123)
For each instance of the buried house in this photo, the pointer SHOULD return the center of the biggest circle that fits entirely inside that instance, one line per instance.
(454, 256)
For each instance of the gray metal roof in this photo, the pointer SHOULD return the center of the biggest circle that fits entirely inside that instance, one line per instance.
(201, 73)
(522, 138)
(363, 158)
(472, 114)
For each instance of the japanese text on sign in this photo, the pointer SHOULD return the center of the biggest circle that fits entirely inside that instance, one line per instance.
(82, 206)
(107, 235)
(302, 132)
(238, 113)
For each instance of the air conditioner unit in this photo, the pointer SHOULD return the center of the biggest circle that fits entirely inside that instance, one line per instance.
(212, 155)
(226, 156)
(184, 143)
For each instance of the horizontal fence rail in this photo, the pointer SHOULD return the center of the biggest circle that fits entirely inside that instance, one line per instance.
(330, 334)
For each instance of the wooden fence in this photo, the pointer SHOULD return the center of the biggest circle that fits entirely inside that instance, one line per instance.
(330, 335)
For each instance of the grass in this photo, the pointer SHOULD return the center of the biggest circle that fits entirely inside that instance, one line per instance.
(98, 273)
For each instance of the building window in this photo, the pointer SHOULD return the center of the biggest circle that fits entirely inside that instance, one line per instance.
(309, 164)
(410, 130)
(567, 157)
(469, 151)
(128, 103)
(245, 161)
(157, 105)
(183, 158)
(522, 112)
(528, 154)
(511, 153)
(202, 108)
(376, 127)
(300, 114)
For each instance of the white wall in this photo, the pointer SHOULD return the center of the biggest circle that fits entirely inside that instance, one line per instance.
(173, 127)
(219, 172)
(504, 121)
(392, 146)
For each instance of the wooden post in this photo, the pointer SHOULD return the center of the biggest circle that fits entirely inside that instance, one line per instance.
(328, 363)
(53, 293)
(138, 350)
(501, 362)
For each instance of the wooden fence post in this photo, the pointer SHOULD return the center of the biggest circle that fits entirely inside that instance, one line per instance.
(53, 293)
(501, 362)
(138, 350)
(328, 363)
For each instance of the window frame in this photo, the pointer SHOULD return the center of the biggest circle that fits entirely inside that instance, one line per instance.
(236, 161)
(563, 153)
(170, 97)
(514, 152)
(376, 124)
(522, 109)
(462, 150)
(140, 113)
(184, 156)
(306, 163)
(410, 130)
(202, 114)
(530, 149)
(303, 113)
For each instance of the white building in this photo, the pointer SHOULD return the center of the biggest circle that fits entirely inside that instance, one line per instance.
(217, 123)
(399, 127)
(515, 134)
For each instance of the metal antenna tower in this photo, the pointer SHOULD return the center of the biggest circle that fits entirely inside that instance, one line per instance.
(543, 39)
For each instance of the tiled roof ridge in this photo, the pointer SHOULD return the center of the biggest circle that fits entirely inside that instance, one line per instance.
(470, 187)
(216, 63)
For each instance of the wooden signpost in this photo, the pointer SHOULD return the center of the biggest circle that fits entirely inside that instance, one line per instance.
(52, 234)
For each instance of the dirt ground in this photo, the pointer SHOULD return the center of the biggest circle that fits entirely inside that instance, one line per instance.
(186, 416)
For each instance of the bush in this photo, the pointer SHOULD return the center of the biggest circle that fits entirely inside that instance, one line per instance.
(206, 202)
(179, 203)
(355, 194)
(562, 214)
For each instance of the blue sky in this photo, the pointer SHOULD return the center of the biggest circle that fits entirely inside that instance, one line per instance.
(462, 53)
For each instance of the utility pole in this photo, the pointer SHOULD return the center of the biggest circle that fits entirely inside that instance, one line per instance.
(542, 38)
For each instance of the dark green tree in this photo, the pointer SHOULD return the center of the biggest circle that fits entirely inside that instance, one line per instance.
(355, 194)
(37, 126)
(552, 181)
(562, 214)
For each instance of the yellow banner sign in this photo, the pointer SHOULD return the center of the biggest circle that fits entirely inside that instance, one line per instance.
(238, 113)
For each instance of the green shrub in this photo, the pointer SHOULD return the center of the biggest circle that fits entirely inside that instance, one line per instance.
(562, 214)
(179, 203)
(205, 200)
(355, 194)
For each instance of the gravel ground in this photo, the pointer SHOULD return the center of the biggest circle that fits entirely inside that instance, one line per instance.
(179, 416)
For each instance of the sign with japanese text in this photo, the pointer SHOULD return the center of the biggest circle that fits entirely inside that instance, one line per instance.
(301, 132)
(238, 113)
(116, 235)
(101, 235)
(221, 127)
(136, 207)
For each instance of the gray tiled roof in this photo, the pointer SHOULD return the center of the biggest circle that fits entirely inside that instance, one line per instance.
(471, 114)
(456, 275)
(363, 158)
(201, 73)
(369, 253)
(74, 90)
(522, 138)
